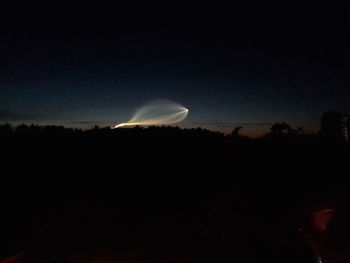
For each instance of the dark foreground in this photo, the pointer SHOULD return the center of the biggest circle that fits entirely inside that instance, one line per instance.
(163, 194)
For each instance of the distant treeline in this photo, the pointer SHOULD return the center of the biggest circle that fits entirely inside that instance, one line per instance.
(101, 187)
(166, 147)
(279, 129)
(286, 155)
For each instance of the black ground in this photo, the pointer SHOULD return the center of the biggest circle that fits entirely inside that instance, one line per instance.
(163, 193)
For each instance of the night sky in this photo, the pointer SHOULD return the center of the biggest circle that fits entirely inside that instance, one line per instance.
(240, 64)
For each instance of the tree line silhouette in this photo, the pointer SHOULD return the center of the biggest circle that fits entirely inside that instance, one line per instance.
(186, 188)
(277, 130)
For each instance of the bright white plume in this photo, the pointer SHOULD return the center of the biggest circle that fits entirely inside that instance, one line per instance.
(160, 112)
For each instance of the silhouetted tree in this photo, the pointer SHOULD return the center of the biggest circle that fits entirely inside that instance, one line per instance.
(280, 128)
(300, 130)
(236, 131)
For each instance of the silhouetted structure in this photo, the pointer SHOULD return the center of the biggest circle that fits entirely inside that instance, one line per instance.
(335, 124)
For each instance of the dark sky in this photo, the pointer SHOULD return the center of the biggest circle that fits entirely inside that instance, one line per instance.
(244, 63)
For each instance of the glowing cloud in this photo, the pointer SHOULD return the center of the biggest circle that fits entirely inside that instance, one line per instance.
(160, 112)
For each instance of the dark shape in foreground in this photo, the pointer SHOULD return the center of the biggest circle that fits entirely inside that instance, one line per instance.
(163, 192)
